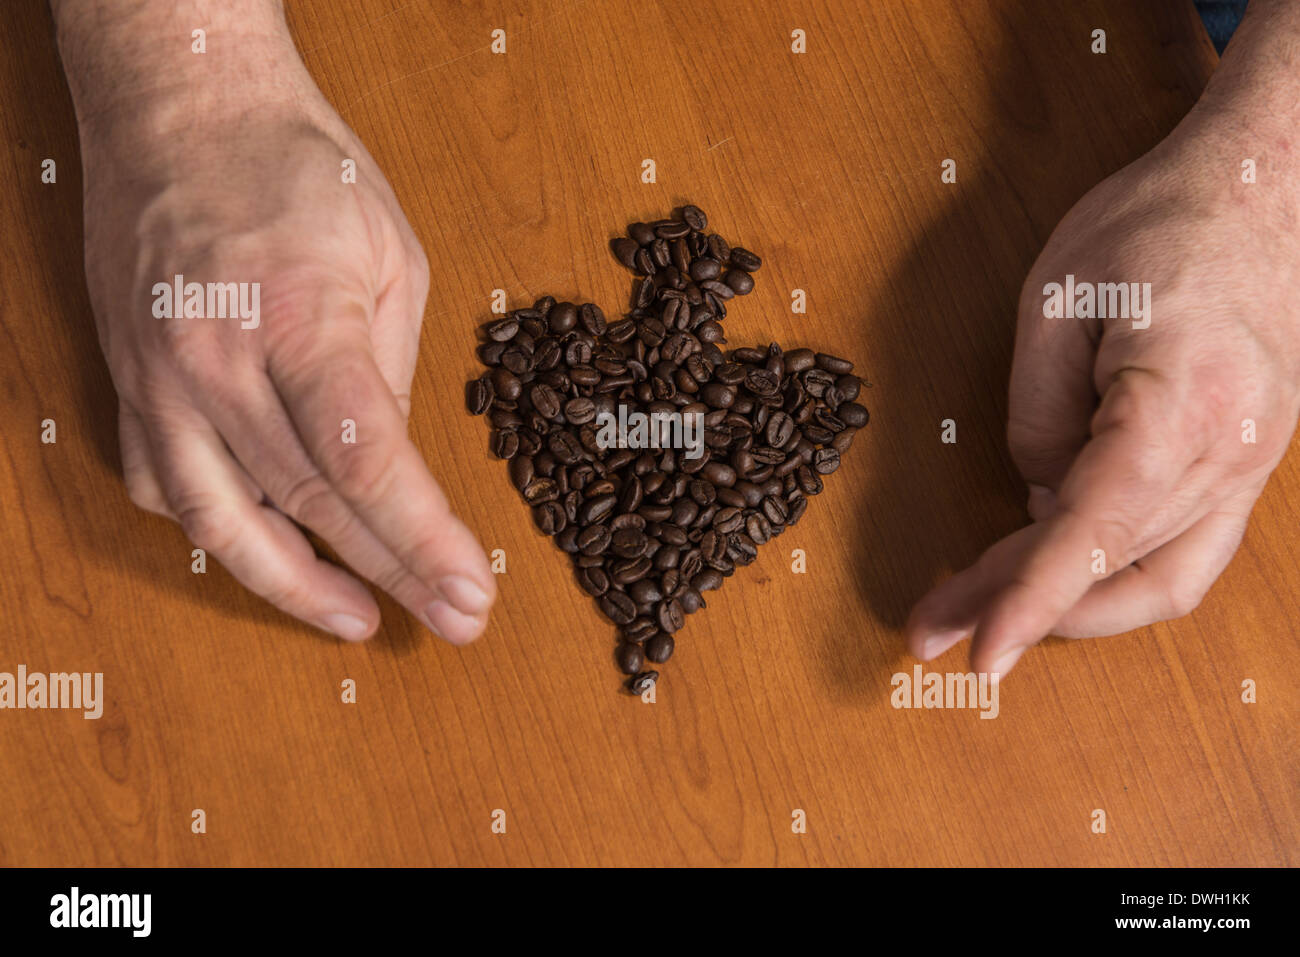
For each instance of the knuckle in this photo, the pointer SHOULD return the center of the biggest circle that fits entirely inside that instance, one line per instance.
(210, 527)
(360, 472)
(185, 346)
(1135, 401)
(310, 502)
(392, 578)
(1148, 468)
(1121, 536)
(284, 593)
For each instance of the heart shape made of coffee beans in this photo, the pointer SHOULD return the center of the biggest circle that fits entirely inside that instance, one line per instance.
(658, 462)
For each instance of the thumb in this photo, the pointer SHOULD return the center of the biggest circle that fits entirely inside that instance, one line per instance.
(1052, 397)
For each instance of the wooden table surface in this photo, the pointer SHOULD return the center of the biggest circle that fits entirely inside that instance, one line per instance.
(515, 170)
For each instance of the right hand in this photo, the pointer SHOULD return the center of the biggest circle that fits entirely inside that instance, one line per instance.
(238, 433)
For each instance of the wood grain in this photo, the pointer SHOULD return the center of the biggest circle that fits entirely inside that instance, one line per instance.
(515, 170)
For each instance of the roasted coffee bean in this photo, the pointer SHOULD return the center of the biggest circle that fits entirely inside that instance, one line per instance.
(563, 317)
(681, 255)
(799, 360)
(629, 571)
(731, 498)
(645, 592)
(502, 330)
(566, 447)
(762, 382)
(669, 615)
(618, 607)
(758, 527)
(719, 473)
(545, 401)
(705, 269)
(505, 443)
(517, 360)
(630, 657)
(639, 630)
(707, 580)
(694, 217)
(592, 318)
(549, 517)
(641, 233)
(659, 648)
(478, 395)
(775, 510)
(810, 483)
(742, 548)
(593, 580)
(742, 258)
(817, 381)
(853, 415)
(620, 331)
(521, 471)
(719, 289)
(829, 419)
(826, 461)
(817, 435)
(567, 540)
(740, 282)
(596, 509)
(641, 683)
(661, 253)
(727, 520)
(584, 375)
(594, 539)
(703, 492)
(671, 534)
(671, 229)
(779, 429)
(579, 411)
(506, 384)
(672, 583)
(625, 251)
(630, 543)
(541, 490)
(667, 557)
(834, 364)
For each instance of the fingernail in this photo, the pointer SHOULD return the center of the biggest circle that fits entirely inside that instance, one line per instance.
(465, 596)
(449, 624)
(346, 626)
(1007, 660)
(940, 642)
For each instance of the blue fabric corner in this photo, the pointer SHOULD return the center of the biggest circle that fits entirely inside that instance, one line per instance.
(1221, 18)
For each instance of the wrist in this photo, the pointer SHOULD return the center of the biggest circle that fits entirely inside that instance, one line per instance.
(139, 73)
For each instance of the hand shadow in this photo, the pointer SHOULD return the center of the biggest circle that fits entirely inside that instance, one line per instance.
(946, 325)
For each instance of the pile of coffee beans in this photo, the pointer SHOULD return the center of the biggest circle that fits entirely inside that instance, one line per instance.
(650, 531)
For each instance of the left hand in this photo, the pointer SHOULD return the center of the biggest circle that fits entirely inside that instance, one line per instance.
(1136, 442)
